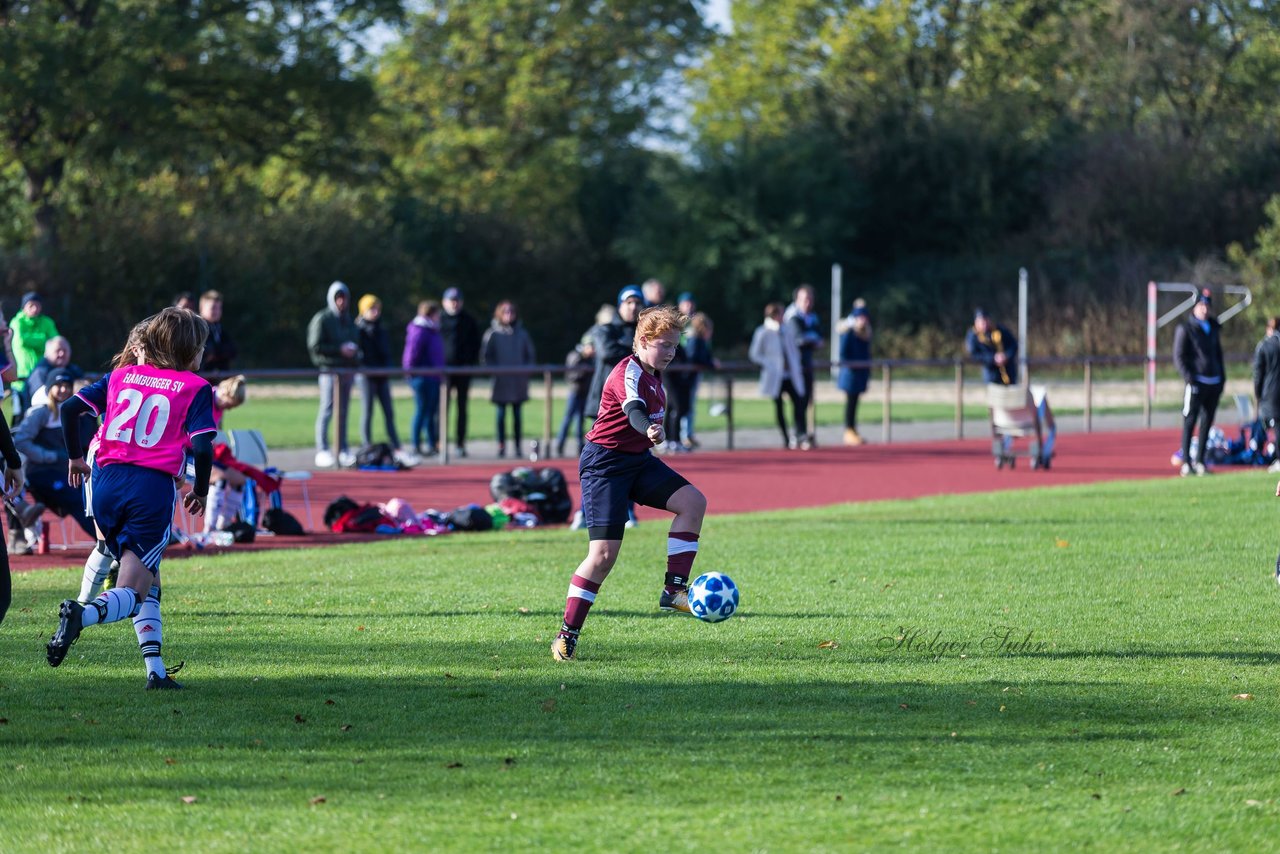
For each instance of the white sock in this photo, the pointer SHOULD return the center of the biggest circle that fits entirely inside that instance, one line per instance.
(96, 569)
(148, 627)
(111, 606)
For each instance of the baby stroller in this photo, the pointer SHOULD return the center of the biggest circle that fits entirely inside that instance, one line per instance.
(1017, 412)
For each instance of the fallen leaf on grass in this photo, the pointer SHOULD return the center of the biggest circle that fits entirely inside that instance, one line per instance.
(523, 610)
(450, 676)
(902, 706)
(1096, 796)
(839, 797)
(454, 765)
(509, 761)
(169, 760)
(1002, 708)
(188, 799)
(1243, 697)
(1253, 803)
(3, 721)
(828, 644)
(328, 702)
(1179, 791)
(1062, 544)
(345, 727)
(318, 799)
(359, 628)
(549, 705)
(299, 719)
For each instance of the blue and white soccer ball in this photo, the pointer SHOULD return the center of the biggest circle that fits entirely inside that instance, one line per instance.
(713, 597)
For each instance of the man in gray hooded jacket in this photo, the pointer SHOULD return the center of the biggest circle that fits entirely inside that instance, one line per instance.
(331, 341)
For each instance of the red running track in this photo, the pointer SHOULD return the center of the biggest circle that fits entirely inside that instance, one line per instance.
(740, 481)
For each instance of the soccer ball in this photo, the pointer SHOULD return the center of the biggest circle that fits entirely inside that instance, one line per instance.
(713, 597)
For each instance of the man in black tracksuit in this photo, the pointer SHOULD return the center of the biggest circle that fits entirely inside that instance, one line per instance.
(1197, 353)
(461, 335)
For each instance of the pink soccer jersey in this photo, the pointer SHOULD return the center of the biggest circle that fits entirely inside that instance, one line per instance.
(628, 381)
(149, 415)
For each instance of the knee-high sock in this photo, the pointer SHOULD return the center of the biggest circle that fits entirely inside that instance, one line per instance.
(96, 569)
(682, 548)
(581, 594)
(112, 606)
(147, 626)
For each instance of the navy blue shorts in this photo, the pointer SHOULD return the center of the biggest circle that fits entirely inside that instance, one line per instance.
(611, 480)
(133, 507)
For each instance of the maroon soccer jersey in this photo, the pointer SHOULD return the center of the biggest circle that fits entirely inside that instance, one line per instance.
(628, 381)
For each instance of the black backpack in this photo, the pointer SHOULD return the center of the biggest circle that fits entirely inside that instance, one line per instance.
(379, 455)
(282, 523)
(337, 508)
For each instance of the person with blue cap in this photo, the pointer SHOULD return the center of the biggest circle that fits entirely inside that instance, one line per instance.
(613, 342)
(1197, 353)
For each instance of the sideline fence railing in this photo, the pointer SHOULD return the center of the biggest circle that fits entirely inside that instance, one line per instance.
(963, 373)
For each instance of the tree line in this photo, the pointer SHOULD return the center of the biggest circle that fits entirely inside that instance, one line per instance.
(552, 152)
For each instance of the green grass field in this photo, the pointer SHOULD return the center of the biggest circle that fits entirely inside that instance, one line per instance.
(1080, 667)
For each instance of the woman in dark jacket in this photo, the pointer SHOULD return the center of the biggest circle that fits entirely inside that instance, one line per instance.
(855, 346)
(375, 352)
(505, 345)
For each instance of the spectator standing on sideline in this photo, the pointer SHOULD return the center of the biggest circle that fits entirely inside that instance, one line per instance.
(774, 349)
(654, 292)
(219, 350)
(57, 356)
(375, 352)
(1266, 380)
(506, 345)
(461, 334)
(688, 307)
(807, 328)
(613, 342)
(995, 347)
(186, 300)
(1197, 353)
(31, 329)
(332, 339)
(855, 346)
(697, 347)
(580, 371)
(424, 348)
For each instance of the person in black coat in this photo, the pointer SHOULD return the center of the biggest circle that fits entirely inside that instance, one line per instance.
(1266, 375)
(461, 335)
(375, 352)
(613, 342)
(1197, 353)
(219, 350)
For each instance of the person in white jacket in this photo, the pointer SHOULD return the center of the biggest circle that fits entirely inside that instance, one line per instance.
(775, 349)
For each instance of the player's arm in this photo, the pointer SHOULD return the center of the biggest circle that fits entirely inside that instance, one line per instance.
(12, 462)
(202, 453)
(70, 415)
(638, 417)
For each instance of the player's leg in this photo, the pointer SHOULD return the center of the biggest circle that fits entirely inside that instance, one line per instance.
(148, 627)
(658, 485)
(96, 569)
(462, 386)
(1209, 397)
(6, 585)
(780, 413)
(367, 394)
(1190, 412)
(606, 479)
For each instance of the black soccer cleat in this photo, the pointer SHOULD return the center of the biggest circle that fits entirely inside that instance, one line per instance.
(677, 600)
(156, 682)
(70, 623)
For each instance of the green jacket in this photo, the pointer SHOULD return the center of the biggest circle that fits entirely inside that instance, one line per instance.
(326, 334)
(29, 337)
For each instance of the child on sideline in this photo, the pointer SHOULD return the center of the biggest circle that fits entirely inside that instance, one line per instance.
(618, 467)
(152, 411)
